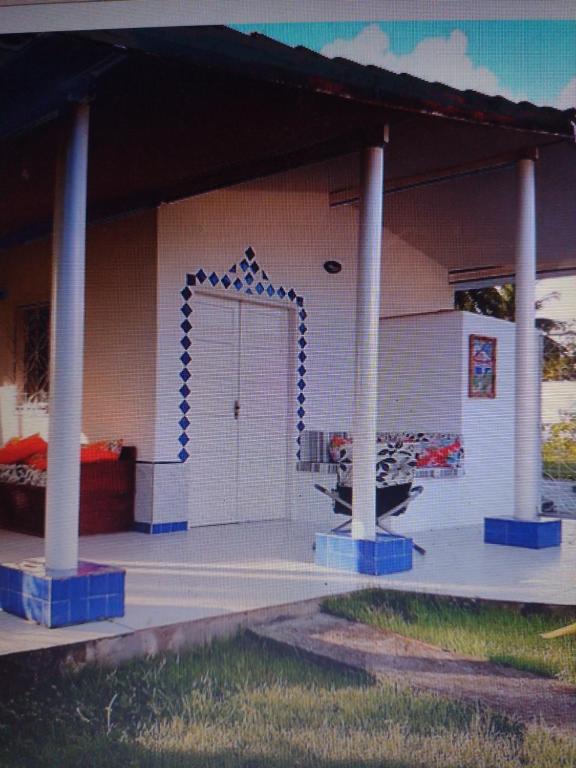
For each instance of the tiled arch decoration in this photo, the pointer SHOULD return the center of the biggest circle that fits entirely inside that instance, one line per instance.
(248, 277)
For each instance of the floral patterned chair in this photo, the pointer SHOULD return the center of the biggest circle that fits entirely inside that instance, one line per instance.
(396, 461)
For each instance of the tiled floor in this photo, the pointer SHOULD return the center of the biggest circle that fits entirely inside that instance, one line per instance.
(218, 570)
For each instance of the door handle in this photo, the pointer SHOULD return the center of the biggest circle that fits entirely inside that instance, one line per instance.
(236, 409)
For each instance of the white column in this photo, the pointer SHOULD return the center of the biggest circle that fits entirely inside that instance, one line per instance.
(366, 359)
(67, 346)
(527, 457)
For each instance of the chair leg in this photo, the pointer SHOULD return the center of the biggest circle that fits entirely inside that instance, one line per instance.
(342, 527)
(399, 509)
(417, 547)
(415, 491)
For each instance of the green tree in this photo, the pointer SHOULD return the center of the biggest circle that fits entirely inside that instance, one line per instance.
(559, 337)
(559, 449)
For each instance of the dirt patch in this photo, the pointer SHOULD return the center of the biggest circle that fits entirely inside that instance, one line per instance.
(524, 696)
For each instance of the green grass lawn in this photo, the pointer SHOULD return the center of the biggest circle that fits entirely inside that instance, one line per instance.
(467, 627)
(239, 703)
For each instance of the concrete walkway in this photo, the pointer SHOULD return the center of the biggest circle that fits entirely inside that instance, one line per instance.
(219, 572)
(521, 695)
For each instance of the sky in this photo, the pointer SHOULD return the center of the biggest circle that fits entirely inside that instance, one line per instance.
(532, 60)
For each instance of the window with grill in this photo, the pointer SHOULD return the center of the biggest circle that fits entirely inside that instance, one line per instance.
(35, 351)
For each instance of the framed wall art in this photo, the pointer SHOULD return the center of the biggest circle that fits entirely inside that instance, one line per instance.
(482, 366)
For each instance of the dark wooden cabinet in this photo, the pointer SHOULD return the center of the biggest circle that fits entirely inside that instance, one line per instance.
(106, 499)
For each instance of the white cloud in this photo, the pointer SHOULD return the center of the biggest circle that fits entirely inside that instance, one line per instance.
(567, 97)
(442, 59)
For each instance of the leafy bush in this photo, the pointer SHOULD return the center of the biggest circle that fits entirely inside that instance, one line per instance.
(559, 449)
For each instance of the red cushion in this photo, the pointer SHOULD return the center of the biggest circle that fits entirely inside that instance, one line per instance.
(438, 457)
(38, 461)
(17, 451)
(88, 454)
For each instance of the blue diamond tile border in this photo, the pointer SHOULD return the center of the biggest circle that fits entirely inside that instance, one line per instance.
(247, 267)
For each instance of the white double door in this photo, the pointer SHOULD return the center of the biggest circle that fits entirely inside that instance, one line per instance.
(240, 387)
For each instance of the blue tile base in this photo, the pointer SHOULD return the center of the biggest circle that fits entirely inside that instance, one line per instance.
(91, 592)
(160, 527)
(388, 554)
(533, 534)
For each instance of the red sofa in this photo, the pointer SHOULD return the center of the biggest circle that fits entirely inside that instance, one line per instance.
(106, 499)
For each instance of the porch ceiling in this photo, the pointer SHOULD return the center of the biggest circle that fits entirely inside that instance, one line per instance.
(468, 224)
(180, 112)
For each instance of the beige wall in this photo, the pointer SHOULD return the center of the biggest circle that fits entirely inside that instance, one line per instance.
(120, 341)
(411, 281)
(120, 338)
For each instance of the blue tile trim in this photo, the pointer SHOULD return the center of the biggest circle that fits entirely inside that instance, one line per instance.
(532, 534)
(90, 592)
(387, 554)
(244, 273)
(180, 525)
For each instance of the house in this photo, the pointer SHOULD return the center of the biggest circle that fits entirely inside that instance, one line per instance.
(229, 192)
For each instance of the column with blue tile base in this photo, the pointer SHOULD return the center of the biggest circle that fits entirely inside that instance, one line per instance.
(512, 532)
(386, 554)
(526, 528)
(90, 592)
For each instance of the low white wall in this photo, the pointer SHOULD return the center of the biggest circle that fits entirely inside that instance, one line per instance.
(486, 425)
